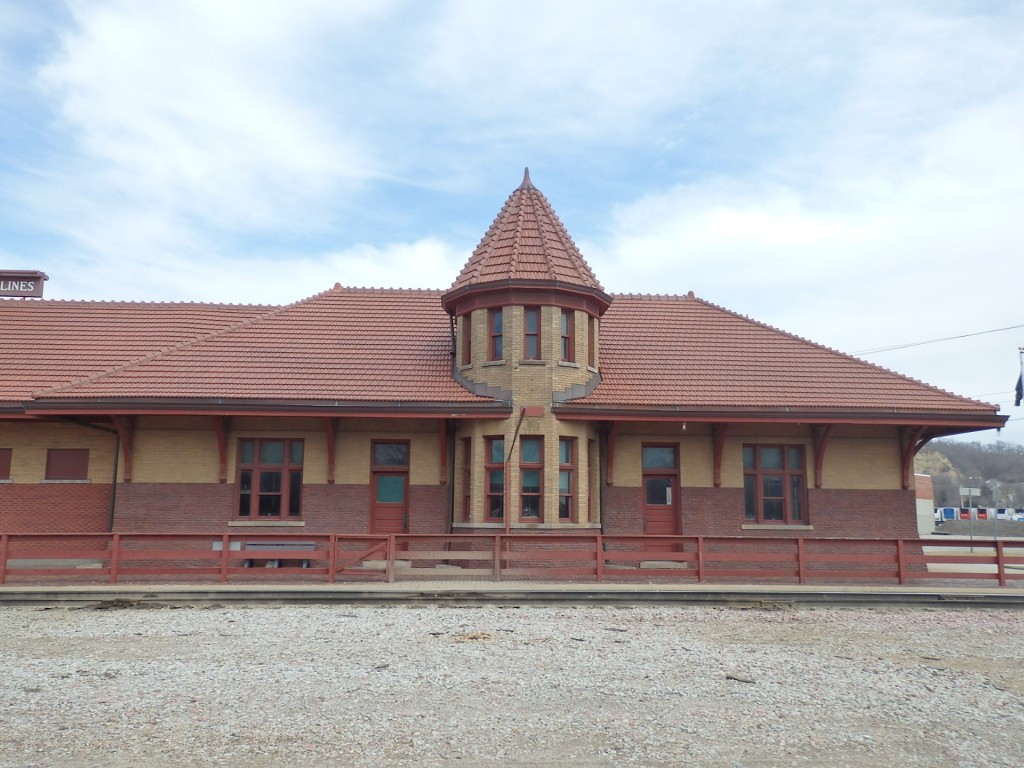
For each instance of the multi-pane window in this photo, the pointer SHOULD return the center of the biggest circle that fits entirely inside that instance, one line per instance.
(467, 340)
(567, 479)
(531, 478)
(67, 464)
(5, 463)
(495, 325)
(568, 334)
(390, 455)
(494, 474)
(774, 488)
(269, 478)
(531, 333)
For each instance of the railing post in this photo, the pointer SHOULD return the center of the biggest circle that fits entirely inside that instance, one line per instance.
(700, 559)
(1000, 564)
(225, 546)
(900, 565)
(332, 557)
(800, 574)
(390, 566)
(599, 555)
(4, 538)
(497, 558)
(115, 555)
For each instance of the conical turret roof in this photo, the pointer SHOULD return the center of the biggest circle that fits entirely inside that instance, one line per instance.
(526, 244)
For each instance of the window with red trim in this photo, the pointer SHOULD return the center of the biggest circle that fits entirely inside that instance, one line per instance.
(5, 463)
(269, 478)
(531, 333)
(494, 473)
(531, 479)
(67, 464)
(568, 332)
(467, 340)
(495, 323)
(774, 484)
(567, 479)
(591, 341)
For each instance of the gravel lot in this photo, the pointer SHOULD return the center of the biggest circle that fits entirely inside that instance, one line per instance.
(493, 686)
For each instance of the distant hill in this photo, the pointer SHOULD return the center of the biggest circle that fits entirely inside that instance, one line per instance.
(996, 468)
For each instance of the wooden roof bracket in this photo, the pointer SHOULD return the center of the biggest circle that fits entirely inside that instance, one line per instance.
(331, 429)
(910, 444)
(821, 433)
(125, 426)
(718, 434)
(221, 426)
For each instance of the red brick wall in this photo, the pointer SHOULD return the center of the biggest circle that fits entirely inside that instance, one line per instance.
(54, 508)
(207, 508)
(719, 512)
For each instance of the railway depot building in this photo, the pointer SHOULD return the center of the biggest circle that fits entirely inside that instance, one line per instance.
(523, 398)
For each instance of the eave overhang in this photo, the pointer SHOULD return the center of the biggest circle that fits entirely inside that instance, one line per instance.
(525, 292)
(956, 422)
(241, 407)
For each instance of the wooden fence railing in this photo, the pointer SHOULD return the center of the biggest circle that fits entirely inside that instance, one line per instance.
(148, 557)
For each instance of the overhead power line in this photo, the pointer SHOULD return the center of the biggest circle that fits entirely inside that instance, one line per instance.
(934, 341)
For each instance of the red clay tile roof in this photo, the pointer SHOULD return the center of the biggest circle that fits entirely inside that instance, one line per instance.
(53, 343)
(681, 351)
(346, 344)
(527, 242)
(360, 346)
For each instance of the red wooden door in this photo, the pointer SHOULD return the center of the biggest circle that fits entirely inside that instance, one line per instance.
(389, 512)
(660, 517)
(660, 490)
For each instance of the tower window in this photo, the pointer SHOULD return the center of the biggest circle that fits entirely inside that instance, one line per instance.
(568, 335)
(531, 333)
(495, 325)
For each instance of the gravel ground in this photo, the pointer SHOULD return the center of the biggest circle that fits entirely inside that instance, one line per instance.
(510, 687)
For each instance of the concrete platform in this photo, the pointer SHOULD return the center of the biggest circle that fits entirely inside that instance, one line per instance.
(508, 593)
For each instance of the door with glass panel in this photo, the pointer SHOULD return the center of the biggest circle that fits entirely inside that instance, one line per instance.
(389, 504)
(661, 492)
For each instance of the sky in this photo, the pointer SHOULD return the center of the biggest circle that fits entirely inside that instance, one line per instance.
(850, 172)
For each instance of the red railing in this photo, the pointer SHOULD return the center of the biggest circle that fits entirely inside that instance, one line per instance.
(141, 557)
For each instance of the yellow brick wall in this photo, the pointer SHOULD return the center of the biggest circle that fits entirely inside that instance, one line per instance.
(531, 381)
(852, 462)
(863, 463)
(544, 426)
(165, 456)
(31, 440)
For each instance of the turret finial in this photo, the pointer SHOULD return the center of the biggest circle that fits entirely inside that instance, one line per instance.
(527, 184)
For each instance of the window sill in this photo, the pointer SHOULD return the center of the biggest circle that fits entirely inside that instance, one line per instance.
(568, 364)
(519, 527)
(266, 523)
(65, 482)
(533, 362)
(775, 527)
(465, 366)
(5, 480)
(490, 363)
(592, 369)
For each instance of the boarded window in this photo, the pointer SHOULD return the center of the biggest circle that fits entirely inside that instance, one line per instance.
(67, 464)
